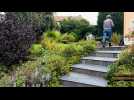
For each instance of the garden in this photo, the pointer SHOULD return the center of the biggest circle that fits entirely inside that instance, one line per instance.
(34, 54)
(36, 50)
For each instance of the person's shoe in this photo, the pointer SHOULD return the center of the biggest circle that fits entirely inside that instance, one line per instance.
(110, 44)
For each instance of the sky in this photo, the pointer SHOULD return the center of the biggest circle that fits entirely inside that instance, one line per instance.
(90, 16)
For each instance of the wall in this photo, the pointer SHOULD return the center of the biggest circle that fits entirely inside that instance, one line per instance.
(128, 26)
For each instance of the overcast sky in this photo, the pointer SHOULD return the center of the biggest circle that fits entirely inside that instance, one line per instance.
(90, 16)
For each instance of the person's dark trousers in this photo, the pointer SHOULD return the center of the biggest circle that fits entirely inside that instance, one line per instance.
(107, 34)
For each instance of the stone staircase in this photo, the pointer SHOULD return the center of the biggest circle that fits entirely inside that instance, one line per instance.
(92, 70)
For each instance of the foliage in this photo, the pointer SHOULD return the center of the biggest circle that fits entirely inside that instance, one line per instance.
(126, 69)
(36, 49)
(20, 74)
(117, 19)
(71, 50)
(122, 84)
(56, 63)
(111, 70)
(40, 21)
(54, 35)
(43, 71)
(88, 46)
(93, 29)
(126, 57)
(50, 44)
(123, 54)
(116, 38)
(67, 38)
(124, 66)
(75, 36)
(78, 26)
(15, 39)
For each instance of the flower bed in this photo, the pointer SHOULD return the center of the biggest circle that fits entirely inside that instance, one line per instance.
(45, 66)
(121, 73)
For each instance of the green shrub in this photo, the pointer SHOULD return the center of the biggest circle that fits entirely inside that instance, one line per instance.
(75, 35)
(54, 35)
(48, 43)
(36, 49)
(88, 46)
(76, 50)
(72, 50)
(6, 81)
(73, 59)
(124, 66)
(69, 51)
(53, 45)
(126, 57)
(120, 84)
(67, 38)
(56, 65)
(111, 70)
(125, 69)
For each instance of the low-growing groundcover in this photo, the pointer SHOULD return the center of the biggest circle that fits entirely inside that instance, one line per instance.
(123, 69)
(46, 63)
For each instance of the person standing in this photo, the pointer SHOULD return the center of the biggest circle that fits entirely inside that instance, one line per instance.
(107, 30)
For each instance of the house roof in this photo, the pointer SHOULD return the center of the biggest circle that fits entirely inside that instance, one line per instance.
(61, 18)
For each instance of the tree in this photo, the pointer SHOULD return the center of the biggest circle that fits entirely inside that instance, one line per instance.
(79, 26)
(41, 21)
(117, 18)
(93, 29)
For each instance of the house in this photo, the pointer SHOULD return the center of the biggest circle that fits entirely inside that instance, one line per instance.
(128, 28)
(61, 18)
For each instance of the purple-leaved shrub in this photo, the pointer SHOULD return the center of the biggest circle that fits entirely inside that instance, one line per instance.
(16, 38)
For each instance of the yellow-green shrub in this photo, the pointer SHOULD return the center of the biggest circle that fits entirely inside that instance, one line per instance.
(116, 38)
(48, 43)
(67, 38)
(88, 46)
(54, 35)
(36, 49)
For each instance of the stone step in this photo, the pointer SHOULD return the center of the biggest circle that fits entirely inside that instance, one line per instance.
(82, 80)
(106, 53)
(103, 61)
(90, 69)
(112, 48)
